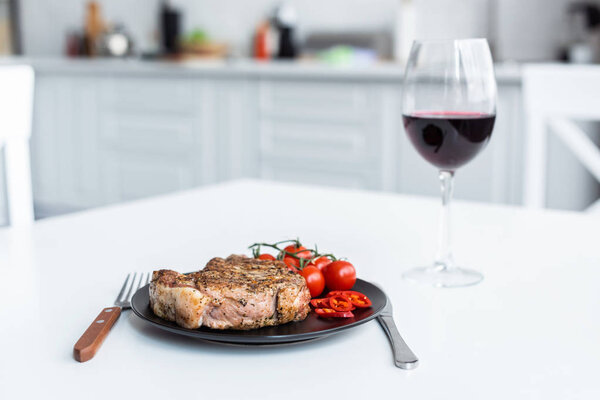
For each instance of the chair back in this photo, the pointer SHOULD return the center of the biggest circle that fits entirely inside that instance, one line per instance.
(554, 96)
(16, 105)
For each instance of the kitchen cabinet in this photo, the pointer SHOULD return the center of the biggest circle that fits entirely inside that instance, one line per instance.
(232, 125)
(105, 133)
(350, 134)
(64, 145)
(329, 133)
(100, 140)
(151, 138)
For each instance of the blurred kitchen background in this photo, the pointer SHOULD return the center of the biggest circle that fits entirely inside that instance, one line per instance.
(135, 98)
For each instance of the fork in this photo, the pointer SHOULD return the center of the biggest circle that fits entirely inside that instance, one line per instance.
(91, 340)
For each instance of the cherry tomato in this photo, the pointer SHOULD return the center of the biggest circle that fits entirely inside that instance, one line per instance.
(331, 313)
(314, 280)
(321, 263)
(357, 298)
(266, 257)
(340, 302)
(300, 251)
(320, 303)
(292, 264)
(340, 275)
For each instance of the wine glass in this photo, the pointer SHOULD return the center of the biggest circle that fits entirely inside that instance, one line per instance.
(449, 109)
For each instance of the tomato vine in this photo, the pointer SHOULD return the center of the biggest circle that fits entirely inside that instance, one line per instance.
(282, 252)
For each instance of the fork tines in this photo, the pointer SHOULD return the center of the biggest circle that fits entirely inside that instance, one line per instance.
(132, 283)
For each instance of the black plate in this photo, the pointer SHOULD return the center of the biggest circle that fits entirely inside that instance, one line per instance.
(311, 327)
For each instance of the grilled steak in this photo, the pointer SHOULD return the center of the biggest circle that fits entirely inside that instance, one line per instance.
(233, 293)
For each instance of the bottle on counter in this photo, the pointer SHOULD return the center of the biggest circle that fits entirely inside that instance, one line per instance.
(285, 21)
(74, 44)
(94, 28)
(170, 26)
(261, 42)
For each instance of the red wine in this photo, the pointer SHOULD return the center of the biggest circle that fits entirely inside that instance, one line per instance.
(449, 140)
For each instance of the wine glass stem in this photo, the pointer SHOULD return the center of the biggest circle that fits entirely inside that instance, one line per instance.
(444, 258)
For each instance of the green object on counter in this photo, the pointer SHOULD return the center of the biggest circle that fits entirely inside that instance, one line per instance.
(197, 36)
(337, 55)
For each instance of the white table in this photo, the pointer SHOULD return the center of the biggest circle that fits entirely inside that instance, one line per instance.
(530, 330)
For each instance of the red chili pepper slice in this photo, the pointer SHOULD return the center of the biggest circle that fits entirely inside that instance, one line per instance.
(357, 298)
(340, 302)
(331, 313)
(320, 303)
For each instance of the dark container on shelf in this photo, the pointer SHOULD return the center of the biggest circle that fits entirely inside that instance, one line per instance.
(170, 24)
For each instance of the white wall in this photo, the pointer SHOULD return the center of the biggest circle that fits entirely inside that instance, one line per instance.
(531, 29)
(522, 29)
(447, 19)
(3, 197)
(527, 29)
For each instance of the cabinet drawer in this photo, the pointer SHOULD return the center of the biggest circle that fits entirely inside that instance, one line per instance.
(149, 95)
(132, 176)
(339, 101)
(325, 175)
(147, 132)
(312, 140)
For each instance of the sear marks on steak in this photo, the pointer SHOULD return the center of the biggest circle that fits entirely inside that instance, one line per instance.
(233, 293)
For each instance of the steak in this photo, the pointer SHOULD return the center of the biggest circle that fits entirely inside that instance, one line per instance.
(233, 293)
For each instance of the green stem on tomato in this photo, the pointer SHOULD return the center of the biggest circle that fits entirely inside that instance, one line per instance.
(282, 253)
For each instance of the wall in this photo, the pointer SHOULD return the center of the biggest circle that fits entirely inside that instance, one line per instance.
(3, 197)
(525, 30)
(522, 30)
(441, 19)
(531, 29)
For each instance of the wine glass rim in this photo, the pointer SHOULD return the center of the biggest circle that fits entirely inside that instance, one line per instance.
(447, 41)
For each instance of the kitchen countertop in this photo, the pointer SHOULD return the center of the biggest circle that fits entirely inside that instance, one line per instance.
(505, 73)
(529, 330)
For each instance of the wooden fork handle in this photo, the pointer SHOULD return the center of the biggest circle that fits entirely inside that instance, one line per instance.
(91, 340)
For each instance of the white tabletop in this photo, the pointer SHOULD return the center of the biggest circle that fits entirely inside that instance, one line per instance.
(530, 330)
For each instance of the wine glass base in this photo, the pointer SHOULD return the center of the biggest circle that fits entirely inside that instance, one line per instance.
(439, 276)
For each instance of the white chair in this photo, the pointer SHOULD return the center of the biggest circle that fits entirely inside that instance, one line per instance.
(554, 96)
(16, 103)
